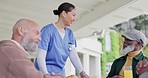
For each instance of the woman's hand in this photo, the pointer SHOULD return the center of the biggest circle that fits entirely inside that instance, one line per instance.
(84, 75)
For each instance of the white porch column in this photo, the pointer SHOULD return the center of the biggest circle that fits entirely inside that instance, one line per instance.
(86, 63)
(98, 66)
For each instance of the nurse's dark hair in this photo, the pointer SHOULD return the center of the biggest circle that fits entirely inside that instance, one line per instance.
(67, 7)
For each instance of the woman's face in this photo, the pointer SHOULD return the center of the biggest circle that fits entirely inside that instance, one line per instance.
(70, 17)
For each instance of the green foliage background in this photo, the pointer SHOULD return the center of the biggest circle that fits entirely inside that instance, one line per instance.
(114, 53)
(103, 58)
(109, 56)
(145, 50)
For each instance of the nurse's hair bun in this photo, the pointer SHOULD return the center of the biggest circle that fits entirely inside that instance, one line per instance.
(55, 12)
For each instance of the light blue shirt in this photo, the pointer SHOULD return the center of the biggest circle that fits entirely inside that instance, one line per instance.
(57, 49)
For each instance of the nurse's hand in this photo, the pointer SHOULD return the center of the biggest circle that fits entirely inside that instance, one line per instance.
(84, 75)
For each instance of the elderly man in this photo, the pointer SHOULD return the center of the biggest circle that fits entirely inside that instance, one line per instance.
(13, 53)
(134, 42)
(142, 69)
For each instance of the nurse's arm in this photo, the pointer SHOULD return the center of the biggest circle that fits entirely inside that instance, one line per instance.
(75, 60)
(41, 55)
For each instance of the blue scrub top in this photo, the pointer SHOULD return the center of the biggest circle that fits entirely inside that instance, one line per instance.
(58, 49)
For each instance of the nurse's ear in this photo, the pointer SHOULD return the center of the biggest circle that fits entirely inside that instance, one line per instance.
(63, 14)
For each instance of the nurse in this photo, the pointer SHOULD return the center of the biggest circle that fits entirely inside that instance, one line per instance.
(58, 43)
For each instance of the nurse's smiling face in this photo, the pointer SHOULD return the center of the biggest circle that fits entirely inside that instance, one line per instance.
(70, 17)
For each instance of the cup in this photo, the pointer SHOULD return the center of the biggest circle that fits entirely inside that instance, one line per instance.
(128, 72)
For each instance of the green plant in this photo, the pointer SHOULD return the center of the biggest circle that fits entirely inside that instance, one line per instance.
(109, 56)
(114, 53)
(103, 58)
(145, 50)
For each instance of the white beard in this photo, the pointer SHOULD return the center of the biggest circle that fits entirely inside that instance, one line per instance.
(127, 49)
(28, 44)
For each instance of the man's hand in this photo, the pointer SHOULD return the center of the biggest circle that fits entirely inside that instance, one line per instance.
(142, 67)
(84, 75)
(117, 76)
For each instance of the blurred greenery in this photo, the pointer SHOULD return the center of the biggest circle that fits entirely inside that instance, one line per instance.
(103, 57)
(109, 56)
(114, 53)
(145, 50)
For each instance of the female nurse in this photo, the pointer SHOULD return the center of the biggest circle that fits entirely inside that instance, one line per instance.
(58, 43)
